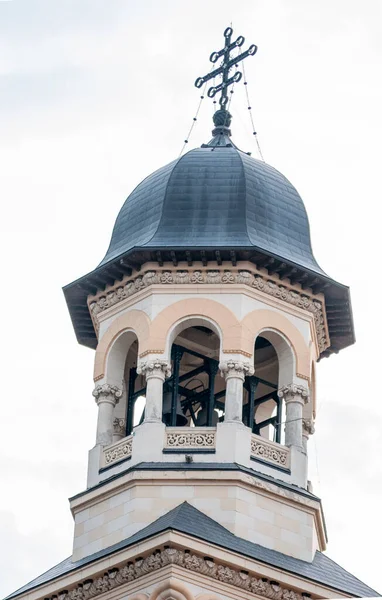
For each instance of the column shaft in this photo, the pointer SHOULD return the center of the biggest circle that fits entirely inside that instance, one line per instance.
(106, 397)
(295, 397)
(234, 373)
(156, 372)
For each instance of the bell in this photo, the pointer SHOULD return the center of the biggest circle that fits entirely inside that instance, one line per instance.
(181, 420)
(201, 419)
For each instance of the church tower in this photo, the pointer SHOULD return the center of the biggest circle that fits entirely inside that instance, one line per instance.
(207, 316)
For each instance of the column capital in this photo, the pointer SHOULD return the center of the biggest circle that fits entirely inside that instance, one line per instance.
(107, 393)
(308, 427)
(158, 369)
(294, 393)
(236, 368)
(119, 426)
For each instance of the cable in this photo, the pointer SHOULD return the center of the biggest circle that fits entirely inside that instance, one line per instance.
(193, 120)
(250, 114)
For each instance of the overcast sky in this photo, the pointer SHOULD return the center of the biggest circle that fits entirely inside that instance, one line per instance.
(94, 96)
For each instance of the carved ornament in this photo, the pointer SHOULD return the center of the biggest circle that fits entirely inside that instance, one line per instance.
(154, 368)
(107, 393)
(308, 427)
(235, 368)
(118, 451)
(189, 440)
(294, 392)
(113, 578)
(118, 293)
(272, 453)
(119, 426)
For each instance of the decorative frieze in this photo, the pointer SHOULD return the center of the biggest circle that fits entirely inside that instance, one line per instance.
(159, 369)
(119, 426)
(191, 438)
(118, 451)
(107, 393)
(253, 279)
(236, 368)
(186, 559)
(270, 452)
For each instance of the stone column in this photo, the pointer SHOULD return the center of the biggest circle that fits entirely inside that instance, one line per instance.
(307, 430)
(155, 371)
(234, 373)
(295, 397)
(106, 396)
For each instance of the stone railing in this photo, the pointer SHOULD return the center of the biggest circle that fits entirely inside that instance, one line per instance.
(190, 438)
(270, 452)
(118, 451)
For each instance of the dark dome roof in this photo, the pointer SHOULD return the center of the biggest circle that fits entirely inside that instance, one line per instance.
(215, 203)
(215, 197)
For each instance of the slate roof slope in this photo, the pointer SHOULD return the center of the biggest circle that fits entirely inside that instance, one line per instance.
(215, 197)
(187, 519)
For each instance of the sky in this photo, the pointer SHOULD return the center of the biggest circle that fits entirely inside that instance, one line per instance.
(94, 96)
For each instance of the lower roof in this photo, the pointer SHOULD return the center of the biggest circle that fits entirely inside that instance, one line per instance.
(191, 521)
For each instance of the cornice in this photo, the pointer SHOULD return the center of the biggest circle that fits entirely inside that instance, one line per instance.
(189, 560)
(246, 275)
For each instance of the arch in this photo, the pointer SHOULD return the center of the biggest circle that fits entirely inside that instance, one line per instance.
(187, 322)
(172, 590)
(263, 320)
(213, 312)
(135, 322)
(285, 355)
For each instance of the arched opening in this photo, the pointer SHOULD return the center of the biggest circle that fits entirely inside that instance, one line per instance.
(274, 364)
(194, 394)
(121, 371)
(262, 410)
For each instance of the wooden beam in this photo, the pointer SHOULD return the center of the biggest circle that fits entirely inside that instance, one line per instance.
(309, 282)
(173, 258)
(290, 272)
(233, 258)
(159, 258)
(218, 257)
(189, 258)
(127, 270)
(204, 258)
(276, 268)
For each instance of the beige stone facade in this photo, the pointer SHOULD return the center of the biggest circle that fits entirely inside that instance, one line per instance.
(251, 508)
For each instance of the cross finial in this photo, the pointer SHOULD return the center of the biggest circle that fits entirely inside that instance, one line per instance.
(227, 63)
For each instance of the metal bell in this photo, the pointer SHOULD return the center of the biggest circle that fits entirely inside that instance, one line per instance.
(201, 419)
(181, 420)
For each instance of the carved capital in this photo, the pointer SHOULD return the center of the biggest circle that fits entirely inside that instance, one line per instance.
(236, 368)
(119, 426)
(308, 427)
(160, 369)
(107, 393)
(294, 393)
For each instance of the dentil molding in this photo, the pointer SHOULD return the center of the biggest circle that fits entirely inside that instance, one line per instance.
(119, 292)
(259, 586)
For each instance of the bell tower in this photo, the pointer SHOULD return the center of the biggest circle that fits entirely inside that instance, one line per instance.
(207, 316)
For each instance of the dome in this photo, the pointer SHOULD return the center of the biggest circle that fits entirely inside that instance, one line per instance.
(215, 197)
(214, 204)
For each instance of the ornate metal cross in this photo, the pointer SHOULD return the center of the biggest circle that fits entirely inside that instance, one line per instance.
(226, 66)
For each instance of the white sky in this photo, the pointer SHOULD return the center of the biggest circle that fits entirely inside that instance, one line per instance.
(95, 95)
